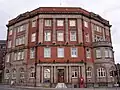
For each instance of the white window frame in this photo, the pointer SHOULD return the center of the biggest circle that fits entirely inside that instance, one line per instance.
(88, 53)
(86, 24)
(106, 53)
(101, 72)
(74, 74)
(98, 53)
(47, 73)
(34, 23)
(8, 58)
(48, 22)
(47, 52)
(72, 23)
(32, 53)
(110, 53)
(74, 52)
(60, 36)
(89, 72)
(33, 37)
(87, 38)
(47, 36)
(14, 72)
(60, 22)
(60, 52)
(9, 43)
(73, 37)
(32, 73)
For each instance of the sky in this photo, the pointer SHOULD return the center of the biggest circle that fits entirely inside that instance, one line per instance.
(108, 9)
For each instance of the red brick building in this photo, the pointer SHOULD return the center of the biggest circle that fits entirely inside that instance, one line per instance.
(53, 45)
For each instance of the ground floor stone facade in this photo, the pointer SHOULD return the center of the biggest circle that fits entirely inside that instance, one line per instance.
(71, 74)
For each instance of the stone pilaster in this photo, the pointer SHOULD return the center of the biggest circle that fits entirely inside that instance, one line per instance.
(66, 29)
(70, 74)
(51, 74)
(66, 74)
(54, 31)
(42, 71)
(55, 79)
(41, 34)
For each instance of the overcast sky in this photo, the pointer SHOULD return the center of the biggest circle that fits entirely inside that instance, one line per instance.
(109, 9)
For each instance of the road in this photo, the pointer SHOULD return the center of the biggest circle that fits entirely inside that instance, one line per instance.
(5, 87)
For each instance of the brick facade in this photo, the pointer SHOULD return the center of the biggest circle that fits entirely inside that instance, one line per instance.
(81, 30)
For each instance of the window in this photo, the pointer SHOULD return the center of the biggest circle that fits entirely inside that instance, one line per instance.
(106, 53)
(107, 32)
(14, 74)
(60, 22)
(22, 55)
(89, 72)
(85, 24)
(7, 75)
(32, 53)
(87, 39)
(47, 73)
(48, 22)
(33, 37)
(72, 23)
(98, 53)
(20, 40)
(88, 53)
(19, 55)
(32, 72)
(10, 32)
(111, 73)
(21, 28)
(47, 52)
(34, 23)
(74, 74)
(73, 36)
(8, 58)
(101, 72)
(9, 44)
(60, 36)
(22, 73)
(74, 52)
(47, 36)
(110, 54)
(60, 52)
(15, 56)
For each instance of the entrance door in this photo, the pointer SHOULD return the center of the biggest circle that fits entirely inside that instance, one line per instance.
(60, 75)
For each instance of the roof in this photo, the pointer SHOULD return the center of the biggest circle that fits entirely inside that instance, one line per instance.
(57, 10)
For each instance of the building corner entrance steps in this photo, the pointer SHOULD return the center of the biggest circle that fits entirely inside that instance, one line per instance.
(61, 85)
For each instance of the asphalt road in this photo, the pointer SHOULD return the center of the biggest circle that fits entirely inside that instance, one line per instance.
(4, 87)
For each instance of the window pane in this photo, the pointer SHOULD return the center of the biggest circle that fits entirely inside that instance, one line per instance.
(47, 22)
(73, 36)
(33, 37)
(47, 52)
(47, 36)
(72, 23)
(98, 53)
(60, 22)
(60, 52)
(85, 24)
(60, 36)
(73, 52)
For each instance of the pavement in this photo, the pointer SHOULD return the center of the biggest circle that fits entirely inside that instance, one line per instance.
(7, 87)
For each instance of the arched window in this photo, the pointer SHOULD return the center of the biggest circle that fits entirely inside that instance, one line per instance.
(7, 75)
(22, 73)
(32, 72)
(89, 72)
(14, 74)
(47, 73)
(101, 72)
